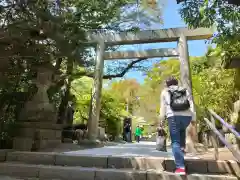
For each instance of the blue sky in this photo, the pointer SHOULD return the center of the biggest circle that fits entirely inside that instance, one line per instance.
(171, 19)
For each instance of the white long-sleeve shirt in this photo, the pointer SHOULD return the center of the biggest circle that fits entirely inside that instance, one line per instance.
(166, 110)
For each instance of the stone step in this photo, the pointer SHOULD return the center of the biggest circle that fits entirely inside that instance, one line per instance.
(138, 163)
(16, 178)
(47, 172)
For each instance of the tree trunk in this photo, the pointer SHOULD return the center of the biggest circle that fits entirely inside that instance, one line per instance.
(66, 95)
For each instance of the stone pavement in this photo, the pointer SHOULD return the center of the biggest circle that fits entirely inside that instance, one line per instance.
(224, 154)
(146, 149)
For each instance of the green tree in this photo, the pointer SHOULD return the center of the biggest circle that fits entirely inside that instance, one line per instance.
(219, 14)
(127, 91)
(225, 18)
(149, 93)
(112, 106)
(213, 85)
(46, 33)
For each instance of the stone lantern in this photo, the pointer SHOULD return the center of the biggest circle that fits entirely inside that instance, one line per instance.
(39, 109)
(37, 121)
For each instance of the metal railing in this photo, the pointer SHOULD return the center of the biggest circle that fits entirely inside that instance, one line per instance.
(217, 134)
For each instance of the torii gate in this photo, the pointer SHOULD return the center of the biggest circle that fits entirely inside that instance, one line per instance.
(181, 35)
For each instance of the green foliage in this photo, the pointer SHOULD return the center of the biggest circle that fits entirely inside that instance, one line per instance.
(44, 33)
(81, 89)
(213, 86)
(112, 106)
(224, 17)
(127, 92)
(162, 70)
(149, 93)
(112, 112)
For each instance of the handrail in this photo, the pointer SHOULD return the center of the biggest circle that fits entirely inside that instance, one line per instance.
(221, 137)
(231, 128)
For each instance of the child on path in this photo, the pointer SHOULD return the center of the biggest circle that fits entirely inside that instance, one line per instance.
(161, 140)
(138, 133)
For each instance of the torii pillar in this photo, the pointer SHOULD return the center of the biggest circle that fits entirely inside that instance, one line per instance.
(186, 81)
(185, 75)
(95, 106)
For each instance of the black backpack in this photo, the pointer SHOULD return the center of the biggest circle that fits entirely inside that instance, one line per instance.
(179, 100)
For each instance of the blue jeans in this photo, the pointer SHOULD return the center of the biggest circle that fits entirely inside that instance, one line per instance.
(177, 127)
(128, 136)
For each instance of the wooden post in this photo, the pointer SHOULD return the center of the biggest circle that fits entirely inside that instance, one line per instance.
(214, 139)
(96, 93)
(186, 82)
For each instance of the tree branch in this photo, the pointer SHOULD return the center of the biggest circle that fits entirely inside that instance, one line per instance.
(121, 74)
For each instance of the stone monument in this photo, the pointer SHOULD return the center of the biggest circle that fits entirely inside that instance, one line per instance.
(37, 128)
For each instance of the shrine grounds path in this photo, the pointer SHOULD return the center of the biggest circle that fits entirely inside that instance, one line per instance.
(145, 149)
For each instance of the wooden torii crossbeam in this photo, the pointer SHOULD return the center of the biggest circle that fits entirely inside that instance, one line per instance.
(181, 35)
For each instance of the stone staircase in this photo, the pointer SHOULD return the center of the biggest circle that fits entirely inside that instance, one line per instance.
(60, 166)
